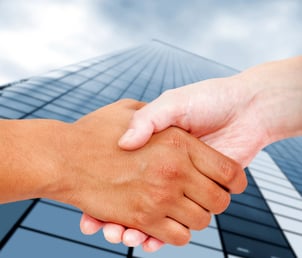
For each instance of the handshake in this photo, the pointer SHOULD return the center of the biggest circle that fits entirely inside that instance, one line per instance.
(157, 182)
(151, 195)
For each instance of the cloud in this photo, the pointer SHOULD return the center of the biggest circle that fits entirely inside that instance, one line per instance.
(38, 36)
(237, 33)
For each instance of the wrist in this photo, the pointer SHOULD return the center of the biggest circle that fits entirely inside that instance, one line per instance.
(58, 181)
(31, 159)
(275, 92)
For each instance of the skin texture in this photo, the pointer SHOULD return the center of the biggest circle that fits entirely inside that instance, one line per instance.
(152, 189)
(237, 116)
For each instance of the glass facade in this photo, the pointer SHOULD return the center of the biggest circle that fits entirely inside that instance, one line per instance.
(264, 221)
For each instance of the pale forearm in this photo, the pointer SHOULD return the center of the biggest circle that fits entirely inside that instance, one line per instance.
(30, 159)
(276, 88)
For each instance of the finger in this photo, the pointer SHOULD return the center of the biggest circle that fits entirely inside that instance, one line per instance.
(221, 169)
(154, 117)
(214, 198)
(113, 233)
(170, 231)
(133, 237)
(152, 245)
(90, 225)
(190, 214)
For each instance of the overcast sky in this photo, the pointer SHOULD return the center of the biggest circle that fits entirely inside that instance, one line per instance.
(40, 35)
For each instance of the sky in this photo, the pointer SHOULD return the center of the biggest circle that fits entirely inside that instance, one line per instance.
(40, 35)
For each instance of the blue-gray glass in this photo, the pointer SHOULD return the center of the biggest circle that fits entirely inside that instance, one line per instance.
(252, 248)
(249, 218)
(62, 222)
(11, 213)
(256, 230)
(30, 243)
(287, 155)
(251, 214)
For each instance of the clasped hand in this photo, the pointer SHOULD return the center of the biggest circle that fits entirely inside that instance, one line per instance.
(165, 189)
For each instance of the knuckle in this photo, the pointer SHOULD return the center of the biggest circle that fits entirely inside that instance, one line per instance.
(229, 171)
(161, 197)
(170, 171)
(222, 200)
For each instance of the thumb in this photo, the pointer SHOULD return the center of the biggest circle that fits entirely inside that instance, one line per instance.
(137, 135)
(154, 117)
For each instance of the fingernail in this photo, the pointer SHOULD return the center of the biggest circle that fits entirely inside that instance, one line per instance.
(127, 137)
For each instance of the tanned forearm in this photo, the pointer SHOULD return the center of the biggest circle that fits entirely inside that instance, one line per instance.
(31, 158)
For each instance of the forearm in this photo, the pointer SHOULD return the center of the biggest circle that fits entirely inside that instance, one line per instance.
(276, 90)
(30, 159)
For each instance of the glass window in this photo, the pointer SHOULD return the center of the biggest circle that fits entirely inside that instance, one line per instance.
(24, 98)
(104, 78)
(207, 237)
(190, 250)
(246, 247)
(120, 84)
(15, 104)
(272, 179)
(49, 91)
(33, 93)
(73, 79)
(79, 95)
(252, 190)
(249, 213)
(93, 86)
(72, 106)
(10, 213)
(277, 188)
(65, 223)
(25, 243)
(111, 92)
(6, 112)
(42, 81)
(269, 170)
(292, 225)
(250, 201)
(281, 198)
(295, 242)
(285, 210)
(62, 110)
(251, 229)
(56, 87)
